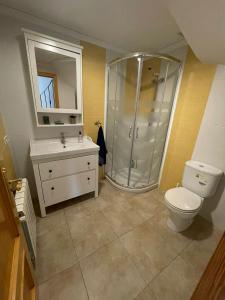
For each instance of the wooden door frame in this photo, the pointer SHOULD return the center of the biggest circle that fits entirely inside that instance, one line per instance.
(56, 91)
(20, 255)
(212, 283)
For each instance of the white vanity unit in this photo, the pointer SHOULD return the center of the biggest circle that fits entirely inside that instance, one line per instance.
(64, 170)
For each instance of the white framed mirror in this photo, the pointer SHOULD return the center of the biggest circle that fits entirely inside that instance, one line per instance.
(56, 78)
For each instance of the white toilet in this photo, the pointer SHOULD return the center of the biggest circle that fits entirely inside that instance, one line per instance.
(199, 181)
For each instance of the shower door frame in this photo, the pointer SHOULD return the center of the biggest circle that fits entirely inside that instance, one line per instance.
(140, 57)
(137, 102)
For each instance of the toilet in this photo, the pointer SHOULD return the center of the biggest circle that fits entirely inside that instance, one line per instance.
(199, 181)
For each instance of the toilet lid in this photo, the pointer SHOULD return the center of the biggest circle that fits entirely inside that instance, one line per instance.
(183, 199)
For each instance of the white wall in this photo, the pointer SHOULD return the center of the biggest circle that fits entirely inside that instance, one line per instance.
(210, 145)
(66, 75)
(16, 103)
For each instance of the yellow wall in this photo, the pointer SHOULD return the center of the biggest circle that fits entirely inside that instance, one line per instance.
(194, 91)
(5, 155)
(94, 60)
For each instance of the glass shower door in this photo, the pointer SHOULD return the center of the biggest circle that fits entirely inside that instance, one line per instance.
(164, 105)
(122, 88)
(145, 125)
(158, 82)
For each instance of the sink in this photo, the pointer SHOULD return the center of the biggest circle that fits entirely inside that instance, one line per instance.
(54, 148)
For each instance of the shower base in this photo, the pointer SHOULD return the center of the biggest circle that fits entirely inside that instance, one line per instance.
(137, 184)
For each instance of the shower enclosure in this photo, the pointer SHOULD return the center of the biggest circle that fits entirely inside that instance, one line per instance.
(141, 90)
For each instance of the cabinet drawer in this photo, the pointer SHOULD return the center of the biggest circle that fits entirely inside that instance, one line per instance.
(54, 169)
(64, 188)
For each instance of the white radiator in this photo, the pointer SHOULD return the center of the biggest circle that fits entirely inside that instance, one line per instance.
(27, 216)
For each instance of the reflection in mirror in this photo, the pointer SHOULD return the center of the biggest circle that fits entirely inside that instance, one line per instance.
(56, 80)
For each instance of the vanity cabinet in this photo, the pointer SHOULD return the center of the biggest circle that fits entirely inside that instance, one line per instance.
(64, 188)
(64, 174)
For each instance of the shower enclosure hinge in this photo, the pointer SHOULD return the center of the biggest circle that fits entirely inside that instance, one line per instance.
(132, 164)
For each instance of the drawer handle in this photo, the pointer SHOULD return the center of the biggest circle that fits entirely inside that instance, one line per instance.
(88, 178)
(50, 171)
(88, 163)
(52, 188)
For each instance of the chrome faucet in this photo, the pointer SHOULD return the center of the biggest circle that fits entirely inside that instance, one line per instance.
(62, 139)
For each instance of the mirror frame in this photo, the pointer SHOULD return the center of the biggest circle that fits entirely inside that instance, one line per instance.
(36, 40)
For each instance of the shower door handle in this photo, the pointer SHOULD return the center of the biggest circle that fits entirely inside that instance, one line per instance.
(130, 131)
(137, 130)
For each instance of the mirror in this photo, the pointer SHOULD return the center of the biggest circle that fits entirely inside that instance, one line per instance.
(57, 79)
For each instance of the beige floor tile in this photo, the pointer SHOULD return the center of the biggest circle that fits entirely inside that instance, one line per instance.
(110, 274)
(89, 230)
(106, 189)
(91, 204)
(52, 221)
(149, 250)
(67, 285)
(201, 229)
(177, 281)
(122, 220)
(85, 202)
(200, 251)
(43, 291)
(55, 252)
(145, 205)
(176, 241)
(158, 195)
(113, 269)
(146, 294)
(113, 200)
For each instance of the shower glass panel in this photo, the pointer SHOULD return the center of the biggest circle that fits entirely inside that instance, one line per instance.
(146, 123)
(122, 88)
(140, 96)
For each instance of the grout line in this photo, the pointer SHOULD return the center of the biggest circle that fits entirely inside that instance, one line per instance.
(73, 244)
(55, 274)
(126, 252)
(84, 280)
(178, 254)
(108, 242)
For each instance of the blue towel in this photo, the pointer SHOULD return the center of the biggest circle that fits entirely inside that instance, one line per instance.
(101, 143)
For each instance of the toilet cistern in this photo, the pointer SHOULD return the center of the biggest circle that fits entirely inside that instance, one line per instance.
(199, 181)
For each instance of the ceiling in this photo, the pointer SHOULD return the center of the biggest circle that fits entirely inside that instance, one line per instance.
(129, 25)
(202, 22)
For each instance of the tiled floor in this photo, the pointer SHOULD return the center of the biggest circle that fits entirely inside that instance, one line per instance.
(118, 247)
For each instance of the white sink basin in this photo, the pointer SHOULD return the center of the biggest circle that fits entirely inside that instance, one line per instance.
(40, 149)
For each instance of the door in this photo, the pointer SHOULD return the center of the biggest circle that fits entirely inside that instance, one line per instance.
(16, 272)
(212, 283)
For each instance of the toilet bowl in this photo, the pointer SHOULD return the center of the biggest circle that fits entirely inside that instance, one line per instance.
(199, 181)
(183, 206)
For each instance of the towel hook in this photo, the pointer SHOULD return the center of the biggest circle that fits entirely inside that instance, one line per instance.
(98, 123)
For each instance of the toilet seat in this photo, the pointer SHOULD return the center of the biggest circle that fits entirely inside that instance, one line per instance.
(183, 200)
